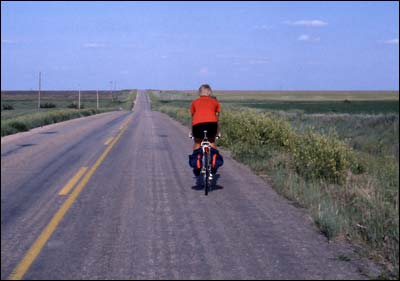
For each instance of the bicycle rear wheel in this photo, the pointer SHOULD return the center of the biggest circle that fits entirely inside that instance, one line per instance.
(207, 174)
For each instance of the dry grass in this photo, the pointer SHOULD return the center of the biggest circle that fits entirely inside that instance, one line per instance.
(287, 95)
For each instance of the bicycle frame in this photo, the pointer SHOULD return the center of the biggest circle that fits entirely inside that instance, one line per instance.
(206, 169)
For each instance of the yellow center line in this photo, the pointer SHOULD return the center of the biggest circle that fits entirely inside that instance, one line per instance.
(108, 141)
(67, 188)
(24, 265)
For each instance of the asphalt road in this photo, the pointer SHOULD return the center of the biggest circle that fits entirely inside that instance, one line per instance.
(135, 214)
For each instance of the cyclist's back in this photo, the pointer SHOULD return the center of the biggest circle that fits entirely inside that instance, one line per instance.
(205, 111)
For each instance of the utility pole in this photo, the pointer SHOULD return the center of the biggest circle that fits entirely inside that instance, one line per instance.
(40, 86)
(97, 97)
(115, 90)
(112, 97)
(79, 98)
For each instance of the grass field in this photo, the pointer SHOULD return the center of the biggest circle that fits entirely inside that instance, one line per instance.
(296, 101)
(24, 114)
(287, 95)
(27, 100)
(334, 153)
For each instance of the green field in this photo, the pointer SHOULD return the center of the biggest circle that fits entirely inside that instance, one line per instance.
(287, 95)
(27, 100)
(24, 114)
(306, 102)
(307, 95)
(334, 153)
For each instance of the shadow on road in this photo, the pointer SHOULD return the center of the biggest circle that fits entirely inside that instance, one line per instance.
(48, 133)
(214, 186)
(26, 144)
(18, 147)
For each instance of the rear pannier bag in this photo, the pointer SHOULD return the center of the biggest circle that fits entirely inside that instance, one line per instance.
(195, 159)
(216, 160)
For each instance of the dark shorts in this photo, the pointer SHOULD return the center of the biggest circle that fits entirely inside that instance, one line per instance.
(210, 127)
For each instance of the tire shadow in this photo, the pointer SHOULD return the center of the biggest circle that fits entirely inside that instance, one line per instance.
(48, 133)
(17, 148)
(214, 186)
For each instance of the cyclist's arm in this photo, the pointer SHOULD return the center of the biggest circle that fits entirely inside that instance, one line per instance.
(192, 109)
(217, 113)
(218, 110)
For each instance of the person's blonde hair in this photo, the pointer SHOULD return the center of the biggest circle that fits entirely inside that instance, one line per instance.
(205, 87)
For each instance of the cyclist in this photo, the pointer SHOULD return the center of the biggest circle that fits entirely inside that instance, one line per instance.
(205, 111)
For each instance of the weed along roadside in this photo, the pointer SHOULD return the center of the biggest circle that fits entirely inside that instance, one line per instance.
(27, 122)
(18, 115)
(350, 194)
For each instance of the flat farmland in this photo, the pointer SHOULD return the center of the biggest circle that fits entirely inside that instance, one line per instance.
(351, 102)
(28, 100)
(19, 109)
(294, 95)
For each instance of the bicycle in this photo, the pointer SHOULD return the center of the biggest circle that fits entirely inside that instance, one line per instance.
(206, 161)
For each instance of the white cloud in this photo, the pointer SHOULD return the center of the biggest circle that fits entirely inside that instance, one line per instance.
(392, 41)
(91, 45)
(304, 37)
(259, 61)
(308, 38)
(313, 62)
(262, 27)
(8, 41)
(243, 68)
(228, 56)
(204, 71)
(307, 23)
(60, 68)
(243, 60)
(177, 51)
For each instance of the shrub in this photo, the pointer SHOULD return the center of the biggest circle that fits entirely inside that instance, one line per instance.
(19, 126)
(75, 105)
(256, 128)
(48, 105)
(37, 119)
(72, 105)
(8, 107)
(320, 156)
(315, 155)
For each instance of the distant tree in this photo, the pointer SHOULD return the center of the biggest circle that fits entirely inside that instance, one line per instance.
(8, 107)
(48, 105)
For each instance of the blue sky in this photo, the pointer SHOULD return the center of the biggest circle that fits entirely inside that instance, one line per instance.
(180, 45)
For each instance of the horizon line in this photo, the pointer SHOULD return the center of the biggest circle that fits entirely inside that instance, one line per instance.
(214, 90)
